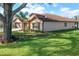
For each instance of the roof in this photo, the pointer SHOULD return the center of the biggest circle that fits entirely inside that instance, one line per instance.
(15, 18)
(51, 17)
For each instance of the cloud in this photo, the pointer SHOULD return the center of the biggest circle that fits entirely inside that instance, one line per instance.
(55, 5)
(64, 9)
(69, 12)
(34, 9)
(51, 12)
(39, 9)
(29, 5)
(1, 10)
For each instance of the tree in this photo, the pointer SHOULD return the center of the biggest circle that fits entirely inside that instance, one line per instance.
(7, 19)
(22, 15)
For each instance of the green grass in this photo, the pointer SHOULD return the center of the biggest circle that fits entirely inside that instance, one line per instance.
(58, 43)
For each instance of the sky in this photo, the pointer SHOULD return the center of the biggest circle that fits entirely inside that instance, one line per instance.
(62, 9)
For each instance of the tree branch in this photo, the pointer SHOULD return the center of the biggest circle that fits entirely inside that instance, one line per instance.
(13, 4)
(1, 17)
(19, 8)
(1, 5)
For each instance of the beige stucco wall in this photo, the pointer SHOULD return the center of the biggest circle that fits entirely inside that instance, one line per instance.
(35, 21)
(50, 26)
(18, 21)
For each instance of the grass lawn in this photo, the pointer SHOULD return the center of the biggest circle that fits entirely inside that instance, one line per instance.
(58, 43)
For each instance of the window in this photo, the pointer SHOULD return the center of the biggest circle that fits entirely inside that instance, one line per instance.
(36, 26)
(65, 24)
(17, 25)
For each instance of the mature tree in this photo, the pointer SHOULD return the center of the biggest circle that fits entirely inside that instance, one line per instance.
(7, 19)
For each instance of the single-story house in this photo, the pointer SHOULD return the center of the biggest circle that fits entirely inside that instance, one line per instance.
(51, 22)
(19, 23)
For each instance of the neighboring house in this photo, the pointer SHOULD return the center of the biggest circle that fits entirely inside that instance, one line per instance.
(51, 22)
(19, 23)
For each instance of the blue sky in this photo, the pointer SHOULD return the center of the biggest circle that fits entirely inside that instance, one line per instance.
(62, 9)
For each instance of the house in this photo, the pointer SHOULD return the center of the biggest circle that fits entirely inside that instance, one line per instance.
(19, 23)
(51, 22)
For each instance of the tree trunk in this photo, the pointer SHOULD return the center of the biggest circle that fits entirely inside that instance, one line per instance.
(8, 22)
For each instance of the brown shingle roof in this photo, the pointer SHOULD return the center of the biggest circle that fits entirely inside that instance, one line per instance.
(51, 17)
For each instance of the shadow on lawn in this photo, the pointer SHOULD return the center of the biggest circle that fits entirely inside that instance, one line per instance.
(44, 45)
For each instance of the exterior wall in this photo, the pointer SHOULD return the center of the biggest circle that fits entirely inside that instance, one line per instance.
(35, 21)
(17, 22)
(51, 26)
